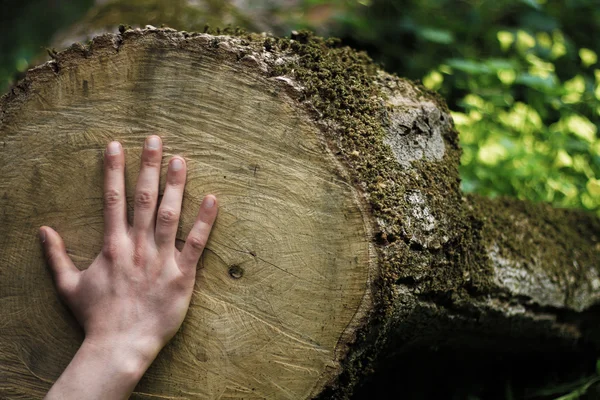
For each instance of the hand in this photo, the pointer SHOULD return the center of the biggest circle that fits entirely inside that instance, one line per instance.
(134, 296)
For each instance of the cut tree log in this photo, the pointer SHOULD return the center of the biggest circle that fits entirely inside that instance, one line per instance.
(342, 235)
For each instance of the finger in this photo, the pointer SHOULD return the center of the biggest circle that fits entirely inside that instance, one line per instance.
(198, 237)
(115, 206)
(167, 218)
(146, 190)
(66, 275)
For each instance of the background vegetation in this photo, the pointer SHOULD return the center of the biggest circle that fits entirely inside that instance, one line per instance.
(522, 78)
(26, 27)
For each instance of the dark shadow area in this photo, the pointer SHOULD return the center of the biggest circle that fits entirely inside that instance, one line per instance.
(462, 373)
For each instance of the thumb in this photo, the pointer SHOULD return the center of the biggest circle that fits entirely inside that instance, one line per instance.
(66, 274)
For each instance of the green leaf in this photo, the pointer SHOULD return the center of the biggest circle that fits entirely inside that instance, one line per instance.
(436, 35)
(497, 64)
(469, 66)
(593, 187)
(588, 57)
(506, 39)
(582, 127)
(536, 82)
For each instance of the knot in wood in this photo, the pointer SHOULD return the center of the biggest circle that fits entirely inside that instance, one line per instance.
(236, 272)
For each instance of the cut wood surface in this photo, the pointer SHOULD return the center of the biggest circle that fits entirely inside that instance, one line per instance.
(283, 278)
(342, 238)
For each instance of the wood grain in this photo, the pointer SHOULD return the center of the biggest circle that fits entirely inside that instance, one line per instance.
(289, 224)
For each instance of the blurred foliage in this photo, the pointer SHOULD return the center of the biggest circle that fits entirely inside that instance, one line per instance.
(26, 27)
(182, 14)
(186, 15)
(521, 76)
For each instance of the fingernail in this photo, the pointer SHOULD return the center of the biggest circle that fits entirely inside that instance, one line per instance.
(209, 202)
(114, 148)
(176, 164)
(42, 235)
(152, 143)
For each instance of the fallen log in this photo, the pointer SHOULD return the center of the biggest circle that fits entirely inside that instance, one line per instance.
(342, 236)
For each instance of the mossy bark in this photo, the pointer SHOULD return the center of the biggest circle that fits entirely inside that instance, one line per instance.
(465, 272)
(458, 272)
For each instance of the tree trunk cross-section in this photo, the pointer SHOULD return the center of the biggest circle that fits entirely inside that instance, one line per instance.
(284, 275)
(343, 239)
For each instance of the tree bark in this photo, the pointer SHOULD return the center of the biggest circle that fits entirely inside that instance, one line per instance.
(340, 203)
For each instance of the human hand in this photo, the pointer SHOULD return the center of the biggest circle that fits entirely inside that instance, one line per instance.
(134, 296)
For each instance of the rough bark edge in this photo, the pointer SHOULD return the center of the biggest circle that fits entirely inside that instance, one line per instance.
(255, 52)
(350, 95)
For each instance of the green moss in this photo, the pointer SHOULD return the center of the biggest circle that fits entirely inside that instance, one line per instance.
(569, 241)
(342, 86)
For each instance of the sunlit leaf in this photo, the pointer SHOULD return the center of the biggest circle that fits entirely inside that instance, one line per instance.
(588, 201)
(433, 80)
(576, 84)
(491, 153)
(582, 127)
(558, 48)
(588, 57)
(571, 98)
(593, 187)
(507, 76)
(506, 39)
(524, 40)
(595, 148)
(459, 118)
(563, 159)
(543, 39)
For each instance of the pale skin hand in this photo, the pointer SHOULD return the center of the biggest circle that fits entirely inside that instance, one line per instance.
(134, 296)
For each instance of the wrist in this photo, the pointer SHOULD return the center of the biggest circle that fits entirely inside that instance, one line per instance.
(127, 360)
(101, 370)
